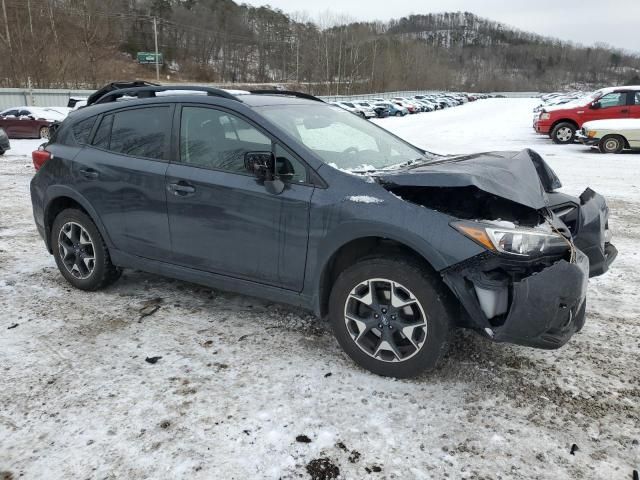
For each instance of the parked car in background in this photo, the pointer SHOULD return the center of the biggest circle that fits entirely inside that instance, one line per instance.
(381, 111)
(409, 106)
(4, 142)
(395, 110)
(563, 121)
(30, 122)
(429, 99)
(363, 112)
(75, 103)
(611, 136)
(426, 106)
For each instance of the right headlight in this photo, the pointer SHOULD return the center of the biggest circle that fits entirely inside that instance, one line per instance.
(525, 242)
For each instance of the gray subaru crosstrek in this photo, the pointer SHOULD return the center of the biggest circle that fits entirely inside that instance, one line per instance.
(279, 195)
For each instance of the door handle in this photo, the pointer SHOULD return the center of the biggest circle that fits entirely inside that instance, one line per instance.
(625, 110)
(181, 189)
(89, 173)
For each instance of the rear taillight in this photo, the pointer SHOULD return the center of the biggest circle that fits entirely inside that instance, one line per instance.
(40, 157)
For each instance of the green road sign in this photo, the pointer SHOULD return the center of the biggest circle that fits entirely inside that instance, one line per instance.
(149, 58)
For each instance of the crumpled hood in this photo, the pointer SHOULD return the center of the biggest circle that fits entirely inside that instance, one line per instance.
(522, 177)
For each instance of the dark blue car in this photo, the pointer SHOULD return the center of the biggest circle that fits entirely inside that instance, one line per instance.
(279, 195)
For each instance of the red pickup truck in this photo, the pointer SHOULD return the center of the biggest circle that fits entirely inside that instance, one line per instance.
(561, 122)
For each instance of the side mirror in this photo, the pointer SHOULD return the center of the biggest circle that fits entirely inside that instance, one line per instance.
(596, 105)
(260, 164)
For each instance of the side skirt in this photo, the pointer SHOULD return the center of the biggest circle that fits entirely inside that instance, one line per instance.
(220, 282)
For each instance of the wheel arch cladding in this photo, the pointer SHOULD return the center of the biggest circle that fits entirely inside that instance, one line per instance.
(61, 198)
(355, 250)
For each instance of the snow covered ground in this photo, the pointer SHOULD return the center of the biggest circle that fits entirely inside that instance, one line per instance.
(247, 389)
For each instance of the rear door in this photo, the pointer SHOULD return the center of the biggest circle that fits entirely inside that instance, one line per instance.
(122, 174)
(222, 219)
(634, 108)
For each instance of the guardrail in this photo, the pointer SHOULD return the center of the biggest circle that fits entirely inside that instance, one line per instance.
(38, 97)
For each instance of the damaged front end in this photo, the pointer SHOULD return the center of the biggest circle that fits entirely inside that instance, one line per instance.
(537, 303)
(541, 246)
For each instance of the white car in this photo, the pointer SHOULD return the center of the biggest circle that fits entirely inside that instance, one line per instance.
(351, 107)
(611, 136)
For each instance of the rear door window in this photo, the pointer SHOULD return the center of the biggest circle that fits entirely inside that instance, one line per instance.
(140, 132)
(637, 98)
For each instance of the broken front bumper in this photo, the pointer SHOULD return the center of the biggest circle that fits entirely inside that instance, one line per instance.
(590, 141)
(541, 309)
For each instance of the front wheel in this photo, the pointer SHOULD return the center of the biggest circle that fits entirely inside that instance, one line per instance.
(390, 316)
(611, 144)
(563, 133)
(80, 252)
(399, 114)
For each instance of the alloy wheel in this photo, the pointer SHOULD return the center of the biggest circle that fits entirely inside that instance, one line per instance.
(76, 250)
(385, 320)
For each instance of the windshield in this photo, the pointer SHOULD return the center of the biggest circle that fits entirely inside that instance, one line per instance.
(342, 139)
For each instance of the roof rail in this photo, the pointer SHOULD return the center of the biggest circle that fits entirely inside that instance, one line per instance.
(150, 92)
(286, 92)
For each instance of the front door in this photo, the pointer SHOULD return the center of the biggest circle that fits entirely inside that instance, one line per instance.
(612, 105)
(222, 219)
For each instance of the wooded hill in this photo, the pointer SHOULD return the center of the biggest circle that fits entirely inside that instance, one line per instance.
(85, 43)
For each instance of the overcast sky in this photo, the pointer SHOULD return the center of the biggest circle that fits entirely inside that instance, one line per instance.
(616, 22)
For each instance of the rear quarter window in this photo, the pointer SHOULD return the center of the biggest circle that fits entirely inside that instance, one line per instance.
(82, 130)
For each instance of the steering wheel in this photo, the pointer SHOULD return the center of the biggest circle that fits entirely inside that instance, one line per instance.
(351, 150)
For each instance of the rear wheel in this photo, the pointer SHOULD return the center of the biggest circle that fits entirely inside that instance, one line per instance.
(390, 316)
(563, 133)
(1, 152)
(44, 133)
(80, 252)
(611, 144)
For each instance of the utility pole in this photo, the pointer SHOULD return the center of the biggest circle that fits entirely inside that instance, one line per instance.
(155, 36)
(6, 25)
(298, 60)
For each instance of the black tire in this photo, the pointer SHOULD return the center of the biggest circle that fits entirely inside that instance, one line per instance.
(611, 144)
(425, 288)
(1, 152)
(44, 133)
(104, 272)
(563, 133)
(399, 114)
